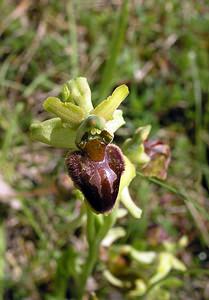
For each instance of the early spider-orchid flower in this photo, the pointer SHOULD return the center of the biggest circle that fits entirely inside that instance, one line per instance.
(97, 167)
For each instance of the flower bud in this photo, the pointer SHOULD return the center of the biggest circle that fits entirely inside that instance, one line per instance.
(79, 92)
(65, 93)
(160, 156)
(134, 147)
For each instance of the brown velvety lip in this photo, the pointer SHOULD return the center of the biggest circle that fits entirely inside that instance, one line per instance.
(97, 171)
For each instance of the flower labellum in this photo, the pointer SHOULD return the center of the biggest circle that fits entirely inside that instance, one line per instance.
(97, 170)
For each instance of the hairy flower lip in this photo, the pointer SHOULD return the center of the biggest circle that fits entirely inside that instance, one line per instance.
(99, 180)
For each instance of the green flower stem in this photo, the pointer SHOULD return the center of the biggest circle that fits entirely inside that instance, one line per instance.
(93, 248)
(108, 222)
(90, 232)
(88, 267)
(94, 238)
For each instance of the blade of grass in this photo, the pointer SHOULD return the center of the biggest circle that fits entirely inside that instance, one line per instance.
(181, 194)
(32, 221)
(8, 139)
(198, 113)
(12, 85)
(115, 47)
(40, 80)
(71, 11)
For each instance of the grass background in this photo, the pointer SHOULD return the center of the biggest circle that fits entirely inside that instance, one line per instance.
(160, 50)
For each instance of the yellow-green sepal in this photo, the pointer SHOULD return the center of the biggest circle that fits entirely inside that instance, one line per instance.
(52, 132)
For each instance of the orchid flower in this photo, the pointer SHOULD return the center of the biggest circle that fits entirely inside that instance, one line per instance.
(98, 167)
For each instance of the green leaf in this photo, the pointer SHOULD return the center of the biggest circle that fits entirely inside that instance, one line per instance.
(53, 133)
(117, 42)
(107, 107)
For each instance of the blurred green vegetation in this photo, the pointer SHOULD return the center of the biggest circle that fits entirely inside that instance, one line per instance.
(161, 51)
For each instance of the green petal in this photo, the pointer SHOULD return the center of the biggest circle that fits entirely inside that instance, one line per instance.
(117, 121)
(107, 107)
(53, 133)
(68, 112)
(127, 175)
